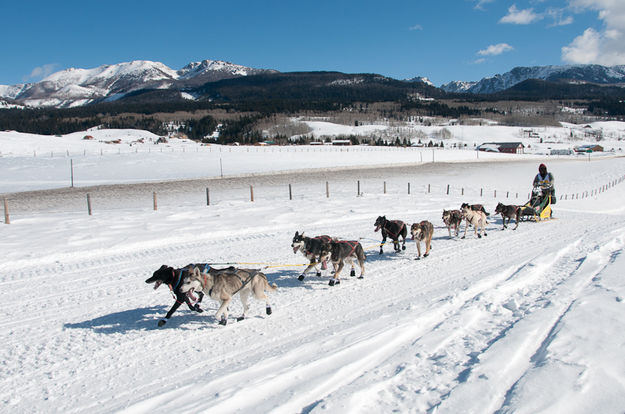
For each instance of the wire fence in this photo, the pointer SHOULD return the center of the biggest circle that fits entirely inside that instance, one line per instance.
(288, 193)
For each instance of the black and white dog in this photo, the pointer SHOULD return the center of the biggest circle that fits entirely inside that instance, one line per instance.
(315, 249)
(173, 278)
(394, 229)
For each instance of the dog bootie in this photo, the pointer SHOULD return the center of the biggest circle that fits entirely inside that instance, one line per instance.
(268, 310)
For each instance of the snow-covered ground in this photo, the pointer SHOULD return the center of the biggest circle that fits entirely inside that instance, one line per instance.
(519, 321)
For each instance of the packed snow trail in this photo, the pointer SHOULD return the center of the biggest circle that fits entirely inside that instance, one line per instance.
(477, 318)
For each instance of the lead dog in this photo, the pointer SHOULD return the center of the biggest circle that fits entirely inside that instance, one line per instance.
(507, 212)
(475, 218)
(315, 249)
(173, 278)
(346, 251)
(422, 231)
(393, 228)
(453, 220)
(223, 286)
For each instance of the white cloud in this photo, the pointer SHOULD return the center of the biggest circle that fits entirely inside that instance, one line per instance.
(41, 72)
(416, 27)
(584, 49)
(494, 50)
(558, 17)
(480, 3)
(516, 16)
(605, 47)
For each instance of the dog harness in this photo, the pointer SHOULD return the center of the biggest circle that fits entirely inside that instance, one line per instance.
(352, 244)
(397, 222)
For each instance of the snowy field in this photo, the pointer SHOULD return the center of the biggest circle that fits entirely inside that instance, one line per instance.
(523, 321)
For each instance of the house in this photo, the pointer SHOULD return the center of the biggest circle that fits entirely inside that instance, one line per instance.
(341, 142)
(589, 148)
(503, 147)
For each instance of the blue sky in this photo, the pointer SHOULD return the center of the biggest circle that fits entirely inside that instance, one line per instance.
(443, 40)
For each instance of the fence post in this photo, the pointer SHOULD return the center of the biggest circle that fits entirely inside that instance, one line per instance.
(154, 201)
(290, 192)
(208, 197)
(7, 220)
(507, 194)
(89, 204)
(358, 193)
(495, 194)
(71, 164)
(251, 193)
(384, 187)
(447, 189)
(481, 192)
(462, 191)
(408, 188)
(327, 190)
(428, 188)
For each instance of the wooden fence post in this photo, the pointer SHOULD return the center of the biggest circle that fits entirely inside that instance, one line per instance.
(447, 189)
(154, 201)
(327, 190)
(428, 188)
(481, 192)
(290, 192)
(384, 187)
(208, 197)
(251, 193)
(71, 164)
(358, 189)
(408, 188)
(7, 220)
(89, 204)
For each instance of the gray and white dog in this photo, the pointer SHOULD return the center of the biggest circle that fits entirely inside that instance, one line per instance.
(223, 286)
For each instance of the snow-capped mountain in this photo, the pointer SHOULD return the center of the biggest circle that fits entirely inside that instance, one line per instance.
(573, 73)
(75, 87)
(421, 79)
(197, 73)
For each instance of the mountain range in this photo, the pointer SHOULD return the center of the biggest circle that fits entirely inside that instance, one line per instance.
(76, 87)
(571, 74)
(208, 79)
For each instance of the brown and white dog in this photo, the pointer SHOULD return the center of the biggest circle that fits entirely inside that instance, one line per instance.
(224, 286)
(346, 251)
(476, 218)
(507, 212)
(453, 220)
(422, 231)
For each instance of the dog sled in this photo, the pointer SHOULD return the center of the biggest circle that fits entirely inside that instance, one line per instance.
(538, 207)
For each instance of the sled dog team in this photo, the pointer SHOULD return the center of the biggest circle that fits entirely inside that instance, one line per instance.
(223, 284)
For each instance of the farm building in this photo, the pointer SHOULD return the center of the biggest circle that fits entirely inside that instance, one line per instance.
(589, 148)
(504, 147)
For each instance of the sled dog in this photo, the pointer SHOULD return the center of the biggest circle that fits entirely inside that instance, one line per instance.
(475, 218)
(422, 231)
(315, 249)
(475, 207)
(507, 212)
(394, 229)
(453, 220)
(346, 251)
(173, 278)
(223, 286)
